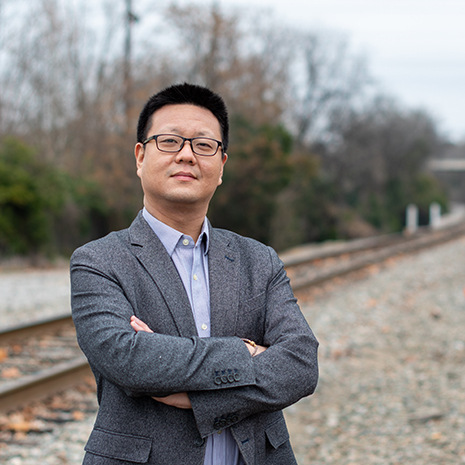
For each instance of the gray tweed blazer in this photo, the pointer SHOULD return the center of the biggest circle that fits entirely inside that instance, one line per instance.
(129, 272)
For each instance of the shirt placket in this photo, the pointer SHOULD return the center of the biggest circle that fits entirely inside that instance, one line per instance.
(200, 292)
(197, 285)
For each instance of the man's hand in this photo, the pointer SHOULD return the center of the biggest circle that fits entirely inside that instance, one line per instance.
(253, 347)
(180, 399)
(256, 349)
(139, 325)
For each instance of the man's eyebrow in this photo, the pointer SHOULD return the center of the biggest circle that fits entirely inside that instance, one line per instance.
(170, 130)
(177, 131)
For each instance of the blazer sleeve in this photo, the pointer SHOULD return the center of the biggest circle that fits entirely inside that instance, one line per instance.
(143, 363)
(284, 373)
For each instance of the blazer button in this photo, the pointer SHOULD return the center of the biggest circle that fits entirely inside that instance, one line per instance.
(199, 442)
(231, 378)
(217, 380)
(237, 376)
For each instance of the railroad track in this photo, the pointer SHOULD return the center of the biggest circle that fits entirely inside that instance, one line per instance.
(43, 357)
(39, 359)
(310, 267)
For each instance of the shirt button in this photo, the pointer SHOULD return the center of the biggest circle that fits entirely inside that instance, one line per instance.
(204, 327)
(195, 277)
(185, 241)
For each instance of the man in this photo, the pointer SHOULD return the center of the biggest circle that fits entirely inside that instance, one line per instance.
(193, 333)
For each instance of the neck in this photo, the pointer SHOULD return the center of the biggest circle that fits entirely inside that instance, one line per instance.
(186, 219)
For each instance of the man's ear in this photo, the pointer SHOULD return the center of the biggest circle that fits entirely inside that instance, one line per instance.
(223, 161)
(139, 153)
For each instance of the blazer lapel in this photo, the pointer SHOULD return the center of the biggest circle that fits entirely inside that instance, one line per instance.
(223, 265)
(153, 256)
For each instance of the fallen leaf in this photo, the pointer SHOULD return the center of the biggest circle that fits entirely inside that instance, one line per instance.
(371, 303)
(3, 354)
(20, 426)
(10, 373)
(77, 415)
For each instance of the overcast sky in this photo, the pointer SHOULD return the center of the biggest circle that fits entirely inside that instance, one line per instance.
(414, 48)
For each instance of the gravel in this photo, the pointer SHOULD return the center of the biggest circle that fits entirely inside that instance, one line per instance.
(51, 433)
(33, 294)
(392, 378)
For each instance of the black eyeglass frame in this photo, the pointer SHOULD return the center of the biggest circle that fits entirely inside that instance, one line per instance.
(184, 139)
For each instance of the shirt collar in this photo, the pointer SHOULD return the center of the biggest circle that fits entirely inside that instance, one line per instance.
(170, 237)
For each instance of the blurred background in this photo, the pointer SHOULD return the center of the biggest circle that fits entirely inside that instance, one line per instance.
(342, 113)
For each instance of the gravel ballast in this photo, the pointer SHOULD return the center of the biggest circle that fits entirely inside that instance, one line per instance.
(392, 366)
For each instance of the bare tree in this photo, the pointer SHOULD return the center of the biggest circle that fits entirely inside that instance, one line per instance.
(329, 77)
(246, 61)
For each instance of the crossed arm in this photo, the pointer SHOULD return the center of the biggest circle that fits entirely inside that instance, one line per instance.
(103, 302)
(181, 399)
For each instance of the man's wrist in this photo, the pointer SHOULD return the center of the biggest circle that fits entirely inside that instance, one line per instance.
(252, 344)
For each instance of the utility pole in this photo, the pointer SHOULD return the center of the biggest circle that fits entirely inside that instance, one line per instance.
(131, 18)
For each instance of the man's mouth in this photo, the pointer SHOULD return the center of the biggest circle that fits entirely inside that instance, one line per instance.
(184, 175)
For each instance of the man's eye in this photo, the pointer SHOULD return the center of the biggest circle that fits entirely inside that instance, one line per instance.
(204, 144)
(169, 141)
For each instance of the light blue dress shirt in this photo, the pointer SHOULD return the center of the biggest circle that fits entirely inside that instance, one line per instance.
(191, 261)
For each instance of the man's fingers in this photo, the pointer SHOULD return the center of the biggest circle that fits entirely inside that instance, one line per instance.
(260, 349)
(178, 400)
(139, 325)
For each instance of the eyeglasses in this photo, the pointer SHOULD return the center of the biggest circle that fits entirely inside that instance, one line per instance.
(173, 143)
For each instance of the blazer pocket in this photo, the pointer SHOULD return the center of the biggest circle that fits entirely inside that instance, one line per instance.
(257, 302)
(119, 446)
(251, 318)
(277, 433)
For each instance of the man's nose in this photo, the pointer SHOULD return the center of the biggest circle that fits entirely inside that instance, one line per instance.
(186, 153)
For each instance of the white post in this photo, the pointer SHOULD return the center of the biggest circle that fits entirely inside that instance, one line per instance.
(412, 219)
(434, 215)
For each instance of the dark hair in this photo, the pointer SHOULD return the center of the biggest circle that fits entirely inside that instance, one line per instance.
(185, 94)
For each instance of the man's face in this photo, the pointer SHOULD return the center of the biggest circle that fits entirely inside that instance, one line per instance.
(173, 180)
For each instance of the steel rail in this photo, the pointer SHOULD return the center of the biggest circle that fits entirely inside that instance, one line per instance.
(409, 245)
(47, 382)
(33, 329)
(304, 255)
(38, 386)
